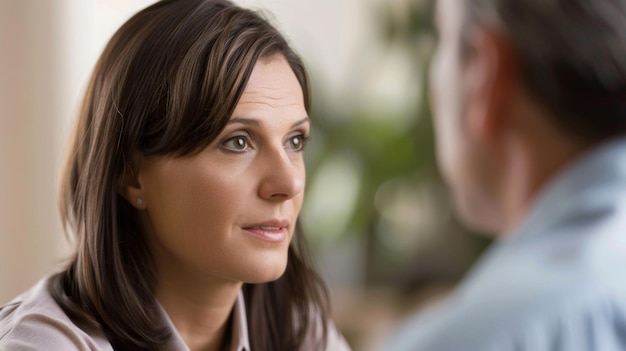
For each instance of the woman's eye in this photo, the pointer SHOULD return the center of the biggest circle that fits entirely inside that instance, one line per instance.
(238, 143)
(297, 142)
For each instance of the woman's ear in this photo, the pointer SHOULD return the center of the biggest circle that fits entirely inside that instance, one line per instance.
(129, 185)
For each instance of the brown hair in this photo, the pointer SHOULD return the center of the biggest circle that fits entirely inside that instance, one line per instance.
(571, 56)
(166, 84)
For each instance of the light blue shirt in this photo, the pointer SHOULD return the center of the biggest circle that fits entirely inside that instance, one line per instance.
(556, 283)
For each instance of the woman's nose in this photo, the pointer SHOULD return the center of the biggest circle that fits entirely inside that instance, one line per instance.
(283, 176)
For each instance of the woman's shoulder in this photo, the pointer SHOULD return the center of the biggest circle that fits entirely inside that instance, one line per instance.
(35, 321)
(334, 339)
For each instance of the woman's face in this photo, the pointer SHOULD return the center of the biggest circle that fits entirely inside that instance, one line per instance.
(229, 212)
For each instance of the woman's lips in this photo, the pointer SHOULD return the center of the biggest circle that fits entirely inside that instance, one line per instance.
(274, 231)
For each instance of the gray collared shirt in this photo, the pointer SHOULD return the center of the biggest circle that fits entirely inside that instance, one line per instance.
(34, 321)
(558, 282)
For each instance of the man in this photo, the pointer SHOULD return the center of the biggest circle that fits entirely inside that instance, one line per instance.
(529, 101)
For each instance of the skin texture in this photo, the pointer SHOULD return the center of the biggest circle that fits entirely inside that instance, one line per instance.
(496, 146)
(203, 212)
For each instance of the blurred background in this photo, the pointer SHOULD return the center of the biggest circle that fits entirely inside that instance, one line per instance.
(376, 211)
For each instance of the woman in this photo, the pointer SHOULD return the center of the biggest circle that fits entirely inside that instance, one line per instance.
(183, 189)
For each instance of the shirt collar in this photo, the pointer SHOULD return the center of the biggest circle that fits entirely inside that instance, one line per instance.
(588, 183)
(240, 339)
(239, 335)
(590, 187)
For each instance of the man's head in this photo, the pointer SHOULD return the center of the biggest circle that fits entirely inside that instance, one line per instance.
(518, 88)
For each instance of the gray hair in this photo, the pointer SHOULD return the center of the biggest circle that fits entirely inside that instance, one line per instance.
(572, 56)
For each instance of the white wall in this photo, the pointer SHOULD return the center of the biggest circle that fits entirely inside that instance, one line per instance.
(47, 50)
(30, 118)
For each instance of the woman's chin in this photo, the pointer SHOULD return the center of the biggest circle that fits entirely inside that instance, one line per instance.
(266, 273)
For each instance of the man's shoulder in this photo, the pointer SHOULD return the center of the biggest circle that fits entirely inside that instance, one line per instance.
(550, 290)
(34, 321)
(589, 321)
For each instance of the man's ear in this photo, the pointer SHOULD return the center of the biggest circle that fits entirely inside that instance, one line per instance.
(490, 73)
(129, 185)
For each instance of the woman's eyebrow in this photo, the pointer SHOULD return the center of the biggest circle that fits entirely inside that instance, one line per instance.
(243, 120)
(302, 121)
(256, 122)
